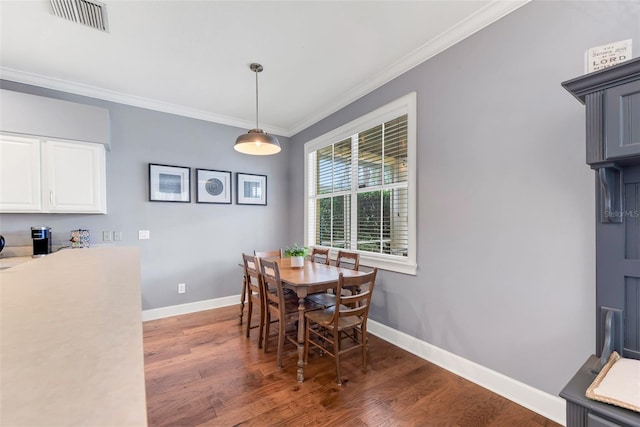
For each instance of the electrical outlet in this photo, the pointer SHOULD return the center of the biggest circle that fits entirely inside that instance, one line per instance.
(144, 234)
(117, 236)
(106, 236)
(182, 288)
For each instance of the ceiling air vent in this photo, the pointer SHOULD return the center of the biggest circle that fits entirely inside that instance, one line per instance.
(91, 13)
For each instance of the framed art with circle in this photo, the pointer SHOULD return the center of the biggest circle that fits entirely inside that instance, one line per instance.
(169, 183)
(213, 186)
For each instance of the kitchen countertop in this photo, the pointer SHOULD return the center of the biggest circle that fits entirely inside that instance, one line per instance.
(71, 329)
(9, 262)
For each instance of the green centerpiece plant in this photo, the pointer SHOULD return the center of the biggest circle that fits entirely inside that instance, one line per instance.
(297, 254)
(296, 250)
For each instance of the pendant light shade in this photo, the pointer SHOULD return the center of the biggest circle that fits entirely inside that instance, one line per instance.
(256, 141)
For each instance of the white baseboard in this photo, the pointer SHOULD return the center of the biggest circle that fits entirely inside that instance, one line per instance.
(192, 307)
(545, 404)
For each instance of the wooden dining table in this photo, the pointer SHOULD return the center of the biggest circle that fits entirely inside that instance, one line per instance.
(310, 278)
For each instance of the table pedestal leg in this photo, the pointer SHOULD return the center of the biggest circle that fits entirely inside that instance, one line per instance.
(301, 339)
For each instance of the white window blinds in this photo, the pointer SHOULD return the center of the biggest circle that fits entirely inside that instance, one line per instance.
(359, 189)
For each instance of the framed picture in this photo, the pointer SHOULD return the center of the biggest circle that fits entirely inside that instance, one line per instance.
(251, 189)
(213, 186)
(169, 183)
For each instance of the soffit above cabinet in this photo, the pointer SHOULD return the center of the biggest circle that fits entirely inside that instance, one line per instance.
(27, 114)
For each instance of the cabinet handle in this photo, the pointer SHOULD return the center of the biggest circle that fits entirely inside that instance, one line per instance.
(51, 197)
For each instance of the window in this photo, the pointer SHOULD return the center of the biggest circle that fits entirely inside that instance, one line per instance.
(360, 187)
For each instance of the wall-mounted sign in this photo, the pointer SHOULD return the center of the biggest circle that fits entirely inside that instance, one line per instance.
(601, 57)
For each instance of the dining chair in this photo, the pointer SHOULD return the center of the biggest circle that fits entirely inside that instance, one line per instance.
(254, 293)
(345, 259)
(320, 256)
(326, 328)
(284, 310)
(323, 298)
(243, 294)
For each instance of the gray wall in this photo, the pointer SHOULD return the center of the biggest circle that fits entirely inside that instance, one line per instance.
(506, 241)
(199, 244)
(505, 200)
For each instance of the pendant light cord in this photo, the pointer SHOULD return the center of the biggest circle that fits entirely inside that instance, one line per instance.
(257, 127)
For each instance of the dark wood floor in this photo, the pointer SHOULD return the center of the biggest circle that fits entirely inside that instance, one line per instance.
(201, 370)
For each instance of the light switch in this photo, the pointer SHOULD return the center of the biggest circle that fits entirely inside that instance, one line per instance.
(144, 234)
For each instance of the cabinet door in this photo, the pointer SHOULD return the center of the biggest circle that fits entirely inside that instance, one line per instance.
(622, 120)
(19, 174)
(74, 177)
(618, 267)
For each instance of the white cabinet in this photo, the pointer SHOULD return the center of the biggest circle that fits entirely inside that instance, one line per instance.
(73, 177)
(39, 175)
(20, 189)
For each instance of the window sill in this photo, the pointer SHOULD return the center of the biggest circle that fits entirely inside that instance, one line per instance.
(404, 267)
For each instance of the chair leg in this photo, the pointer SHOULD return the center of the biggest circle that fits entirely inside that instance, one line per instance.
(267, 327)
(261, 327)
(306, 341)
(336, 352)
(280, 341)
(363, 342)
(242, 297)
(249, 313)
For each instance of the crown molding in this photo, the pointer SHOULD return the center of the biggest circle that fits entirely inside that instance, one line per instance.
(493, 11)
(132, 100)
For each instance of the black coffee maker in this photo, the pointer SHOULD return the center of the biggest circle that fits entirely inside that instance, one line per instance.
(41, 241)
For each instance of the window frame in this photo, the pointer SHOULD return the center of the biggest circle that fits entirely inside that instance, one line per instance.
(407, 104)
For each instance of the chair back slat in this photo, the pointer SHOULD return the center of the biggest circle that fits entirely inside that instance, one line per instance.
(270, 272)
(277, 253)
(357, 304)
(350, 260)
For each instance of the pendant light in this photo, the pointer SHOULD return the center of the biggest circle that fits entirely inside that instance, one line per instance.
(257, 141)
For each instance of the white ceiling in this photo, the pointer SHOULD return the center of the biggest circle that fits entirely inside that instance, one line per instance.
(192, 57)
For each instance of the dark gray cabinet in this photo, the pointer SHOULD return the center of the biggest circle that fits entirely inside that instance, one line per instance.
(612, 101)
(622, 132)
